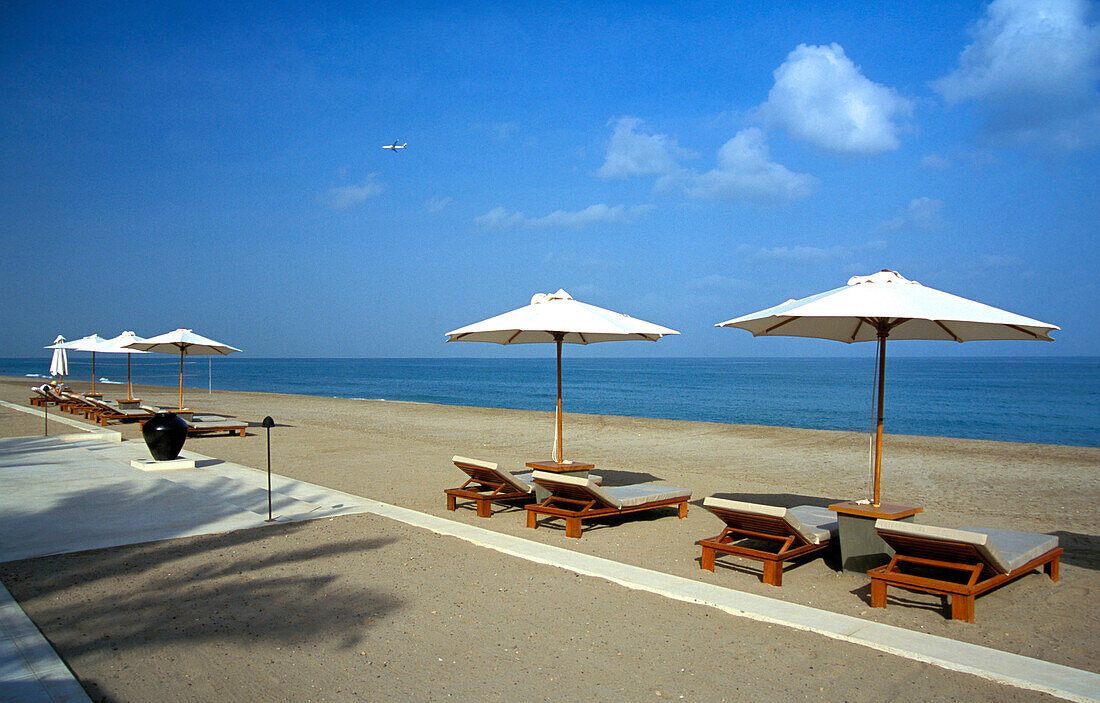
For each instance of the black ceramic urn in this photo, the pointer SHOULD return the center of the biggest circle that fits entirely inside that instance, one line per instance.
(164, 434)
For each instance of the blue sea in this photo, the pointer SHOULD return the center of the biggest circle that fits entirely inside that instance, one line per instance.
(1044, 400)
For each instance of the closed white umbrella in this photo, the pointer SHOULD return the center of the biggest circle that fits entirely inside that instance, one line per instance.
(185, 343)
(557, 318)
(887, 305)
(89, 344)
(59, 362)
(118, 345)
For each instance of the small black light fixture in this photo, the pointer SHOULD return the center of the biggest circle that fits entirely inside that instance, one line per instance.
(267, 424)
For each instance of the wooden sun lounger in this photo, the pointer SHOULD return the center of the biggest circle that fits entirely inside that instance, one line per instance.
(76, 404)
(486, 485)
(576, 499)
(797, 531)
(195, 428)
(962, 563)
(41, 397)
(103, 412)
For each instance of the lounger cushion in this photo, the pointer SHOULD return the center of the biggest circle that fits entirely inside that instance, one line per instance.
(216, 425)
(1017, 548)
(618, 496)
(640, 494)
(520, 482)
(1004, 549)
(813, 524)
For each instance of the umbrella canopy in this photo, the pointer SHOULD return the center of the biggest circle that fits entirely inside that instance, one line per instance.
(557, 318)
(118, 345)
(59, 363)
(887, 305)
(185, 343)
(89, 344)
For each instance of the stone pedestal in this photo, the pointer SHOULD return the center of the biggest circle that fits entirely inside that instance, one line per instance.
(861, 548)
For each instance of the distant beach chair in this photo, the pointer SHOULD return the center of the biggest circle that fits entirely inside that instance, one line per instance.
(487, 484)
(576, 499)
(204, 427)
(103, 412)
(798, 531)
(40, 397)
(76, 404)
(961, 563)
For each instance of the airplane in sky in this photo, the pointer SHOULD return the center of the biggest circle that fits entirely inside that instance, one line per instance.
(395, 146)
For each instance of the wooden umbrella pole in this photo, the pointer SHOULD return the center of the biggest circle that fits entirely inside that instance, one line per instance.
(881, 398)
(181, 378)
(558, 338)
(93, 373)
(129, 388)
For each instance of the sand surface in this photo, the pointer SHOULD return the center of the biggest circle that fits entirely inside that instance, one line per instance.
(364, 608)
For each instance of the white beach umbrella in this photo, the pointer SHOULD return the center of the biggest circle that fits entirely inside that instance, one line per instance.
(887, 305)
(118, 345)
(89, 344)
(557, 318)
(185, 343)
(59, 363)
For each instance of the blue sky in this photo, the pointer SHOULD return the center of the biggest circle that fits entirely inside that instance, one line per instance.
(218, 166)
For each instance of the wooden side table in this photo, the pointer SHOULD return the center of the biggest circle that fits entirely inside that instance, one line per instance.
(565, 468)
(861, 548)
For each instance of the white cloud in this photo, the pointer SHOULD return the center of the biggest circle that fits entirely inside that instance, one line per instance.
(745, 171)
(436, 204)
(1033, 65)
(501, 218)
(936, 162)
(923, 213)
(807, 254)
(632, 153)
(799, 254)
(821, 97)
(344, 197)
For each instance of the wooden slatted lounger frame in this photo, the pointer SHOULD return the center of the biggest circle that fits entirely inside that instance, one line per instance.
(744, 526)
(953, 558)
(492, 488)
(103, 413)
(587, 506)
(196, 428)
(40, 398)
(76, 404)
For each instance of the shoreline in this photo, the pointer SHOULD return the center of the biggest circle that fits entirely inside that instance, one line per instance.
(82, 386)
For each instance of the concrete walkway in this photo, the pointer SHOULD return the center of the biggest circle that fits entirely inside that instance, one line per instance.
(77, 492)
(65, 495)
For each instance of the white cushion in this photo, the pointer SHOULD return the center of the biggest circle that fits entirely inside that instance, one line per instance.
(813, 524)
(618, 497)
(1004, 549)
(520, 482)
(1017, 548)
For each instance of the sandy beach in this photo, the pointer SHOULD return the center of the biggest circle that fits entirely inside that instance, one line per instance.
(362, 608)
